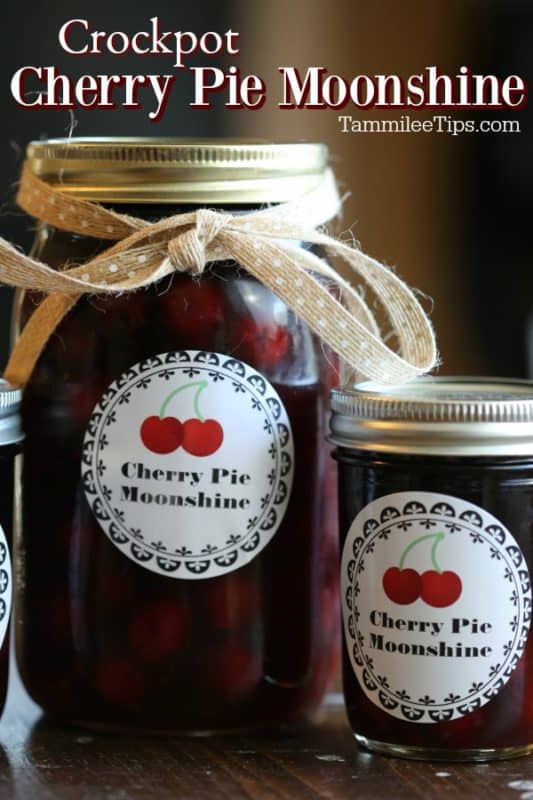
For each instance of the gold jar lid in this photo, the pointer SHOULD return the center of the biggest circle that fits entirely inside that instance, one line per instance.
(184, 171)
(436, 416)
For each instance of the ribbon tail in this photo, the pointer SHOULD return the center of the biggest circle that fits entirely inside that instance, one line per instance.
(361, 349)
(410, 323)
(346, 294)
(49, 314)
(35, 336)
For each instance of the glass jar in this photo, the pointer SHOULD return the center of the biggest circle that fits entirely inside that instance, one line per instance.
(179, 555)
(10, 439)
(436, 517)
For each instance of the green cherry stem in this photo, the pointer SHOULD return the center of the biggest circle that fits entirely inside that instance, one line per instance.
(438, 537)
(201, 385)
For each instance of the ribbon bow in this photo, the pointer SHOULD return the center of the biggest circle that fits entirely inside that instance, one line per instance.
(188, 251)
(267, 243)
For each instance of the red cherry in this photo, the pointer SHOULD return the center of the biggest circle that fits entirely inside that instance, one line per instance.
(162, 435)
(136, 309)
(194, 310)
(402, 586)
(159, 630)
(233, 670)
(232, 601)
(330, 612)
(440, 589)
(260, 343)
(54, 618)
(121, 682)
(113, 591)
(202, 438)
(82, 398)
(127, 311)
(74, 346)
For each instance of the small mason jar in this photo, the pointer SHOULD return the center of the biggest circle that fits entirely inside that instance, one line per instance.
(436, 518)
(177, 547)
(10, 441)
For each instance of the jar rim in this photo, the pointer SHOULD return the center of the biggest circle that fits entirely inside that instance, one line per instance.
(178, 170)
(436, 415)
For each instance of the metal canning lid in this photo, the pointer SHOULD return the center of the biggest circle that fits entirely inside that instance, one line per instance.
(436, 416)
(10, 424)
(163, 170)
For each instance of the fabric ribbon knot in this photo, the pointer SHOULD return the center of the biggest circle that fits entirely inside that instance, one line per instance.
(266, 243)
(188, 250)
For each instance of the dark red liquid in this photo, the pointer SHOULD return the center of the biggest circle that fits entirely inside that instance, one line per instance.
(503, 488)
(109, 643)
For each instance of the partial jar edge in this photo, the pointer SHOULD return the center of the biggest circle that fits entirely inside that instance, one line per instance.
(418, 753)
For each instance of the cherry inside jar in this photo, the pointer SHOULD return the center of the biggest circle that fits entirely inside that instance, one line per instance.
(436, 503)
(120, 626)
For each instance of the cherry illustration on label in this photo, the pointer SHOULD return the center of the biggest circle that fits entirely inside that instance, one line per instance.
(198, 436)
(440, 589)
(402, 586)
(162, 434)
(435, 587)
(202, 437)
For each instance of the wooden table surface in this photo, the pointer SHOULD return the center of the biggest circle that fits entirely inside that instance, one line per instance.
(39, 760)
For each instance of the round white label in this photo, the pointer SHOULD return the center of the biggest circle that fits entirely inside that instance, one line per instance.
(5, 586)
(188, 463)
(436, 605)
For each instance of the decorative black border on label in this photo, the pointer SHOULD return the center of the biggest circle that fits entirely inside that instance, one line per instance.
(260, 528)
(5, 586)
(515, 570)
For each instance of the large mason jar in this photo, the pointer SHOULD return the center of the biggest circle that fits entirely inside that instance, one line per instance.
(177, 554)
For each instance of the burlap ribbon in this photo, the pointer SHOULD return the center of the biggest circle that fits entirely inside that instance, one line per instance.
(265, 243)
